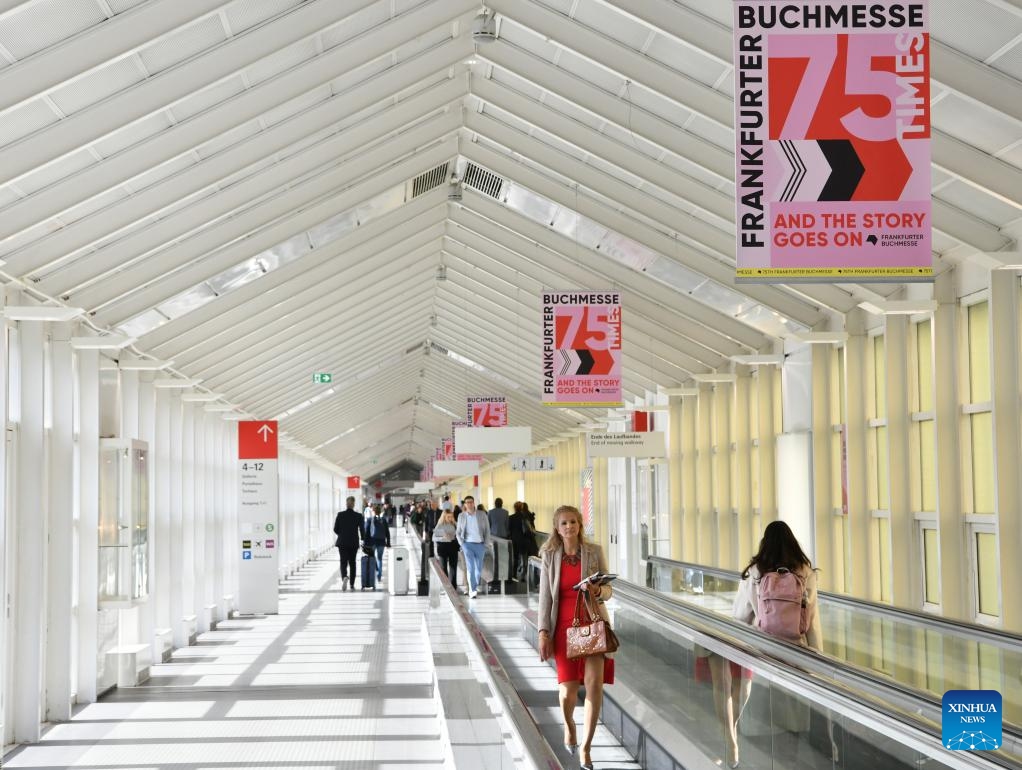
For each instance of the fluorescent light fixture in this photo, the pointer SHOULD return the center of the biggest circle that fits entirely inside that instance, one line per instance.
(232, 416)
(760, 359)
(173, 382)
(681, 392)
(820, 338)
(201, 396)
(107, 342)
(722, 377)
(899, 306)
(42, 313)
(144, 365)
(218, 408)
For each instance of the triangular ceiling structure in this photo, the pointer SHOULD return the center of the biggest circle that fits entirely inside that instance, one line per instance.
(259, 190)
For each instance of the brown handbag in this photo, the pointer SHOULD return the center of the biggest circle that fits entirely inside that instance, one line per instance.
(592, 638)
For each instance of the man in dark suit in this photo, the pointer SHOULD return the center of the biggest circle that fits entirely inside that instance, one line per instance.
(348, 528)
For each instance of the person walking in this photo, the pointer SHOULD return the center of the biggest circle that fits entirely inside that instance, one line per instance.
(500, 528)
(473, 536)
(377, 537)
(445, 537)
(567, 559)
(779, 553)
(348, 528)
(522, 529)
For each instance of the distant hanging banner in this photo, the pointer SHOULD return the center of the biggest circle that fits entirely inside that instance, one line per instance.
(455, 424)
(487, 411)
(582, 348)
(832, 124)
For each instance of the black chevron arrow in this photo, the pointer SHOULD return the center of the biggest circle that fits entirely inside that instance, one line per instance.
(585, 361)
(846, 169)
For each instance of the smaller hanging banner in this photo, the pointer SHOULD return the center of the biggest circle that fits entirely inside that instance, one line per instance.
(582, 348)
(588, 519)
(354, 482)
(455, 424)
(487, 411)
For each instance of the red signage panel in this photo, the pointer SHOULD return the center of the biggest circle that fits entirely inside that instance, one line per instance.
(354, 482)
(257, 440)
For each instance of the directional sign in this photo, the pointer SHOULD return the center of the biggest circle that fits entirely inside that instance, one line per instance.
(323, 377)
(257, 440)
(532, 463)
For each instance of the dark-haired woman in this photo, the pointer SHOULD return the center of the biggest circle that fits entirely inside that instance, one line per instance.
(778, 548)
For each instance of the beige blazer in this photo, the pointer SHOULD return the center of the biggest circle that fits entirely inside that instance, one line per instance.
(593, 560)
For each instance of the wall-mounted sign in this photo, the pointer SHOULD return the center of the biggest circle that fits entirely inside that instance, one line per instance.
(582, 348)
(832, 124)
(354, 482)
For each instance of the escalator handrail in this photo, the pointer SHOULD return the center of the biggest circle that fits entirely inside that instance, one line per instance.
(935, 622)
(839, 685)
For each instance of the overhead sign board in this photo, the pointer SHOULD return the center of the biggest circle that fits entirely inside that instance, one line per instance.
(507, 440)
(532, 463)
(626, 444)
(832, 125)
(487, 411)
(258, 513)
(444, 469)
(581, 348)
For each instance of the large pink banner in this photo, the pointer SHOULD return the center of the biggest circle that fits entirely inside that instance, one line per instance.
(582, 348)
(487, 411)
(832, 128)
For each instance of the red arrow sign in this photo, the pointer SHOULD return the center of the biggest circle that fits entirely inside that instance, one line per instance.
(257, 440)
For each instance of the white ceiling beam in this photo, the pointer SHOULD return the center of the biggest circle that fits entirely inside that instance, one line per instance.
(104, 42)
(978, 169)
(630, 63)
(636, 314)
(88, 230)
(628, 159)
(160, 91)
(151, 152)
(627, 226)
(222, 313)
(317, 198)
(698, 32)
(621, 275)
(695, 321)
(278, 232)
(968, 229)
(610, 107)
(975, 81)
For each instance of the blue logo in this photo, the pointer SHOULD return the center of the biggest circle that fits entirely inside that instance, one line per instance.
(246, 554)
(972, 720)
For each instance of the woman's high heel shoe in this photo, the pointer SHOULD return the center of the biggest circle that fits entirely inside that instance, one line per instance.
(571, 748)
(588, 764)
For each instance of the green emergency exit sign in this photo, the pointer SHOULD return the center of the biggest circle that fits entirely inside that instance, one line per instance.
(322, 377)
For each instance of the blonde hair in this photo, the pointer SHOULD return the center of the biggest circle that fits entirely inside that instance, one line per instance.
(444, 516)
(554, 542)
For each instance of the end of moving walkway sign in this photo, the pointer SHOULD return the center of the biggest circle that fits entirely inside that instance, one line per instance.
(258, 511)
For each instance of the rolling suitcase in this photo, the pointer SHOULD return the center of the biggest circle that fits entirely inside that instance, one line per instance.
(368, 572)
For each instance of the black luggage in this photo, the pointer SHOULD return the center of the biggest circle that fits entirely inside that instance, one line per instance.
(368, 572)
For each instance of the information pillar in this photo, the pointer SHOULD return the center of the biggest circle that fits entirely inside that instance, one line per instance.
(257, 517)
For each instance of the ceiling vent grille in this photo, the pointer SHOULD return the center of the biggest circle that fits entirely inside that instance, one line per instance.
(430, 180)
(483, 181)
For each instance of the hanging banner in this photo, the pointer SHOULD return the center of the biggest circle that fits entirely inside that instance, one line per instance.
(354, 482)
(448, 449)
(582, 348)
(832, 125)
(455, 424)
(626, 444)
(258, 508)
(586, 498)
(487, 411)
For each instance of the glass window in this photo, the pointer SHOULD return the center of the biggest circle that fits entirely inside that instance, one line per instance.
(982, 462)
(979, 353)
(987, 599)
(872, 464)
(880, 377)
(883, 470)
(931, 566)
(928, 465)
(754, 465)
(883, 530)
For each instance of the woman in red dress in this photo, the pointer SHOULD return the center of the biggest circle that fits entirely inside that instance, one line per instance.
(567, 558)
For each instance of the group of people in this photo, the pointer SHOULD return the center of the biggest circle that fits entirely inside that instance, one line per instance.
(464, 527)
(567, 559)
(368, 531)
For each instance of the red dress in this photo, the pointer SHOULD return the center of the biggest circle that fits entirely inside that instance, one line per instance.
(569, 670)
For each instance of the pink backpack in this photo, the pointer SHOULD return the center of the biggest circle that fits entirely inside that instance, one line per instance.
(782, 605)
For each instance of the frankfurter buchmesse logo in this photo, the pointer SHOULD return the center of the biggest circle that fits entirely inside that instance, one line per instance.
(972, 720)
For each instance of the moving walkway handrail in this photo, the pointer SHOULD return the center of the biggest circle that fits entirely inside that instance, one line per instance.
(836, 685)
(935, 622)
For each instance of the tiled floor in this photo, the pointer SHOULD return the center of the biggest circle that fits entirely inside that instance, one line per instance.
(336, 680)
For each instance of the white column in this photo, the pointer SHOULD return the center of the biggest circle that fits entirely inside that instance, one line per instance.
(29, 587)
(215, 511)
(865, 582)
(129, 404)
(229, 469)
(88, 524)
(146, 431)
(188, 562)
(60, 522)
(160, 516)
(176, 520)
(1004, 372)
(200, 502)
(822, 437)
(954, 595)
(6, 527)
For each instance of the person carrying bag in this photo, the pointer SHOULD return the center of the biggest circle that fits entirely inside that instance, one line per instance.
(591, 634)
